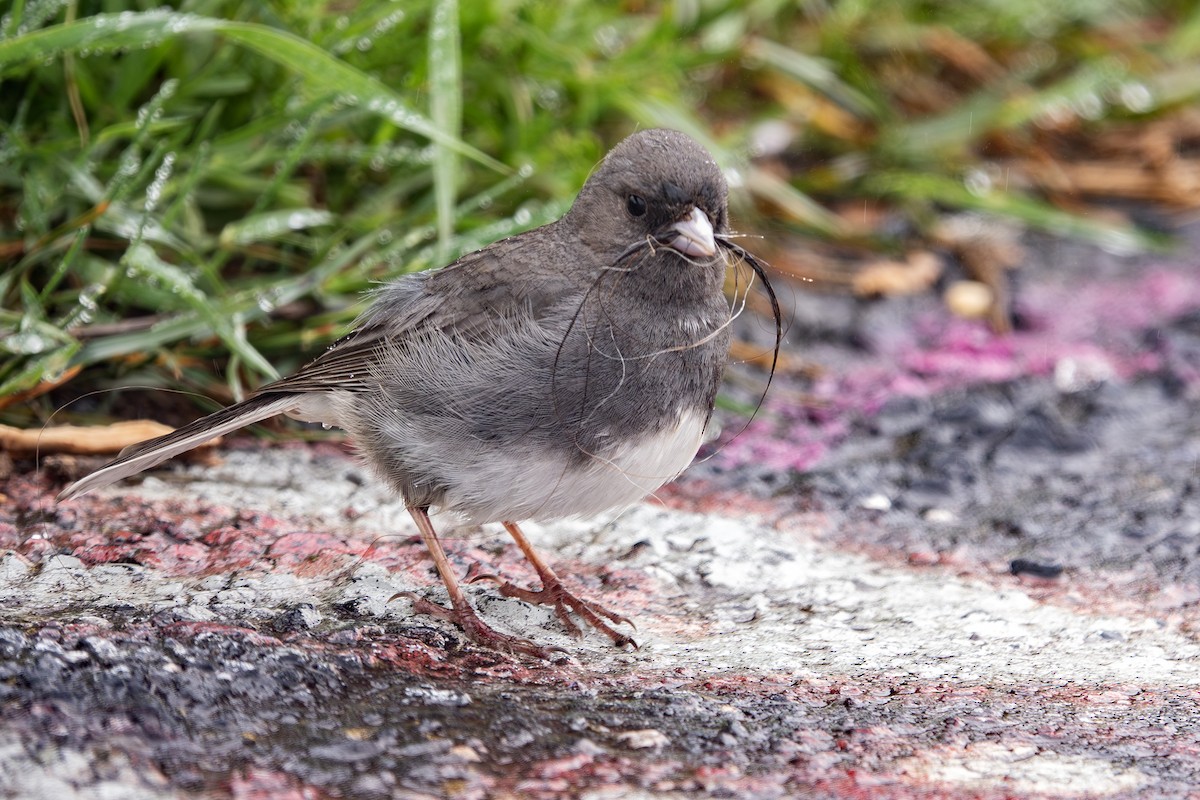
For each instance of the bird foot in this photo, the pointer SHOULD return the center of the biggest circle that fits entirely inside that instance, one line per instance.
(479, 631)
(553, 593)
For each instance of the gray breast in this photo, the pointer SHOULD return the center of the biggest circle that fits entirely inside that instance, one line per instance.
(569, 387)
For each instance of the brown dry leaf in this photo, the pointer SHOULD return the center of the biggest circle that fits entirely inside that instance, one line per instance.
(814, 110)
(80, 440)
(889, 278)
(917, 93)
(760, 356)
(1159, 141)
(987, 256)
(1176, 182)
(41, 388)
(963, 54)
(1154, 142)
(864, 217)
(818, 272)
(987, 251)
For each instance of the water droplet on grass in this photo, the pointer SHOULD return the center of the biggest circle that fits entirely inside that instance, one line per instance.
(25, 343)
(1135, 96)
(978, 182)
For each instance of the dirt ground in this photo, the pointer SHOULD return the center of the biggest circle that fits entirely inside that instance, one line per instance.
(954, 565)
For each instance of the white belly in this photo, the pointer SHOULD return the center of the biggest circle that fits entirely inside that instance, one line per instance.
(515, 485)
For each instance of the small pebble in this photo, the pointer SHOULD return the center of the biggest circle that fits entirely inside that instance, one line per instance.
(643, 739)
(969, 299)
(1023, 566)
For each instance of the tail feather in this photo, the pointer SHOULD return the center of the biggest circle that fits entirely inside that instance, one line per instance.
(143, 455)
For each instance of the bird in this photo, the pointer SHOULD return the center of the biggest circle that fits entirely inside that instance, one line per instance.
(561, 372)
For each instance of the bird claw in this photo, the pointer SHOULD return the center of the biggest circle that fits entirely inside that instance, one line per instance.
(474, 575)
(479, 631)
(554, 594)
(423, 606)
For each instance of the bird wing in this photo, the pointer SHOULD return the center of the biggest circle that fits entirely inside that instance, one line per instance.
(473, 298)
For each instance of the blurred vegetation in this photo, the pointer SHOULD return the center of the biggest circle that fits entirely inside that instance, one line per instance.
(197, 196)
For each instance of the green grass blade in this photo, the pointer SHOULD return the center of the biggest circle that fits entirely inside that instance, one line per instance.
(1028, 211)
(106, 33)
(272, 224)
(816, 73)
(445, 96)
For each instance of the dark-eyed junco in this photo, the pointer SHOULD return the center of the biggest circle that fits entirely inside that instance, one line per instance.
(565, 371)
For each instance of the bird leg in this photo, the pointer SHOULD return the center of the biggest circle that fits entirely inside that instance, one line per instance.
(555, 594)
(460, 612)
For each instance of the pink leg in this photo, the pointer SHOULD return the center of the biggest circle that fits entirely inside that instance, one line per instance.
(555, 594)
(460, 612)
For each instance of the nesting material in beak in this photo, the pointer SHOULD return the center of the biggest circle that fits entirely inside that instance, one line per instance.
(695, 235)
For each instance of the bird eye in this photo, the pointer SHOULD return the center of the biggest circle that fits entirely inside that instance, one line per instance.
(636, 205)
